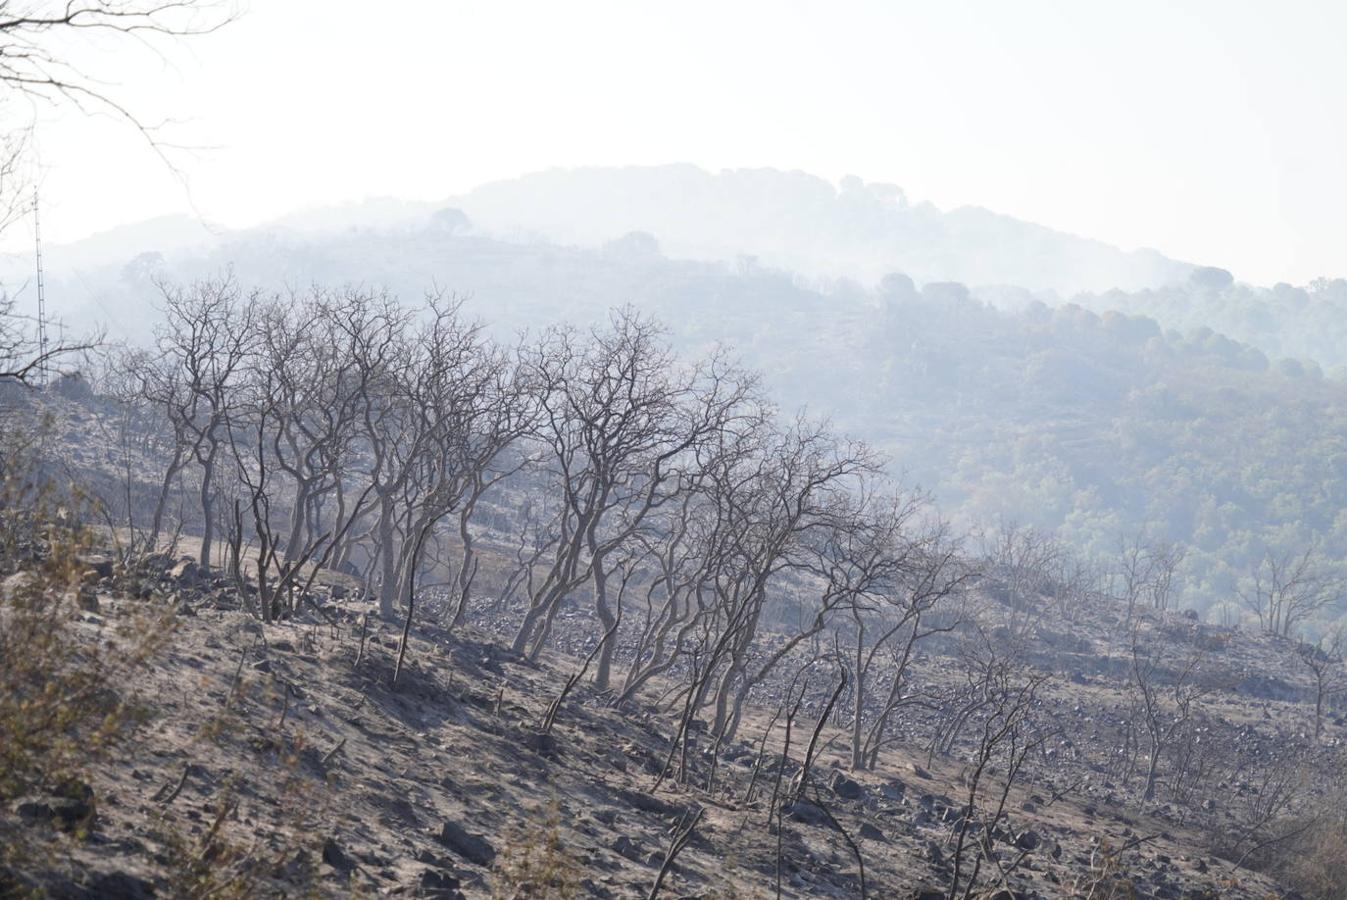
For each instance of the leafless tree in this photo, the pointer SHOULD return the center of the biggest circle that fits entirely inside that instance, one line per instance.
(1167, 689)
(201, 347)
(620, 422)
(1022, 558)
(1325, 664)
(38, 39)
(22, 356)
(1285, 589)
(924, 575)
(1007, 736)
(1165, 559)
(294, 433)
(778, 501)
(504, 411)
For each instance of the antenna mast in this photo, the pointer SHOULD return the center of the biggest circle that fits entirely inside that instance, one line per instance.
(41, 299)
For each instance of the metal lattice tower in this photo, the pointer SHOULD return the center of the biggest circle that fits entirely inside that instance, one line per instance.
(41, 299)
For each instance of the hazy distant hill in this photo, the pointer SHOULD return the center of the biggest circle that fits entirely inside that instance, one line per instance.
(805, 224)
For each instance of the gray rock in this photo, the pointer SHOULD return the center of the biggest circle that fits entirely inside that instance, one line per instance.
(100, 565)
(63, 813)
(87, 599)
(626, 847)
(337, 858)
(892, 790)
(18, 583)
(649, 803)
(185, 570)
(809, 813)
(439, 884)
(120, 886)
(846, 788)
(472, 847)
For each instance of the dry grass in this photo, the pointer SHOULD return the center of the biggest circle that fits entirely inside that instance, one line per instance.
(534, 863)
(61, 714)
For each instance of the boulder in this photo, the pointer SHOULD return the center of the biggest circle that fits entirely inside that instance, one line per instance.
(19, 583)
(472, 847)
(120, 886)
(101, 566)
(649, 803)
(438, 884)
(626, 847)
(846, 788)
(70, 809)
(892, 790)
(86, 598)
(185, 570)
(808, 813)
(337, 858)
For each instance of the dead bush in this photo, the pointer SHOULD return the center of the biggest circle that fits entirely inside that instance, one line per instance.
(533, 863)
(63, 706)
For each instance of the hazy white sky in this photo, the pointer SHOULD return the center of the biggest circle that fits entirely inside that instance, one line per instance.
(1213, 131)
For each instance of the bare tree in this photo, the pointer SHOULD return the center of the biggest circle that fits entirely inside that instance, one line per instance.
(1022, 558)
(23, 358)
(201, 347)
(39, 37)
(1167, 689)
(1006, 737)
(37, 40)
(915, 608)
(778, 500)
(294, 432)
(1285, 589)
(1165, 559)
(504, 411)
(621, 423)
(1325, 663)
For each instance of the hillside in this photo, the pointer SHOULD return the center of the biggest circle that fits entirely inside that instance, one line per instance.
(279, 758)
(1306, 323)
(335, 595)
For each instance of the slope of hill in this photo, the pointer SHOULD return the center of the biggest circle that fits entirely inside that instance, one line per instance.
(1306, 323)
(282, 759)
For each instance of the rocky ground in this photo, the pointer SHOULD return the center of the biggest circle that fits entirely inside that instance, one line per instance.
(284, 761)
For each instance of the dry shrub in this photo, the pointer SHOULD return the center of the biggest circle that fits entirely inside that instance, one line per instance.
(1317, 866)
(61, 712)
(533, 863)
(1106, 878)
(730, 881)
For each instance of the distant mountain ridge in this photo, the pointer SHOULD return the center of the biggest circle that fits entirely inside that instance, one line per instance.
(805, 224)
(791, 221)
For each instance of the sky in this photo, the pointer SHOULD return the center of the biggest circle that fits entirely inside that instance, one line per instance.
(1211, 131)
